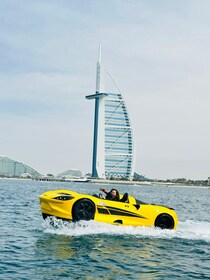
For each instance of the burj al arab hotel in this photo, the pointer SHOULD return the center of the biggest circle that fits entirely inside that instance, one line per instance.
(113, 147)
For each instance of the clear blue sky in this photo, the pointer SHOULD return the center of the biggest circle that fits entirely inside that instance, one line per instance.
(157, 52)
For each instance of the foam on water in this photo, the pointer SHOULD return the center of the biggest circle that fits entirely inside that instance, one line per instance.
(191, 230)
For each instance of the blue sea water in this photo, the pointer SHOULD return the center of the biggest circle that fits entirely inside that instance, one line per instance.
(30, 248)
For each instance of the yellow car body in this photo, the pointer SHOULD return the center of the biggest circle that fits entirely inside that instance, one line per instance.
(70, 205)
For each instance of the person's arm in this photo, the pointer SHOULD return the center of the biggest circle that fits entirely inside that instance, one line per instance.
(104, 190)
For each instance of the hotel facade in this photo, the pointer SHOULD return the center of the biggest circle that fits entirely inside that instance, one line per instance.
(113, 141)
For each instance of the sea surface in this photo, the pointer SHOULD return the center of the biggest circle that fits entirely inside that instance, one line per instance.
(30, 248)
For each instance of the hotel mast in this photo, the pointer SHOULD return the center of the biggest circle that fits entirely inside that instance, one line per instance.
(113, 148)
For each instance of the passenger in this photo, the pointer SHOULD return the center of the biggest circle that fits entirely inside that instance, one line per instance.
(125, 198)
(113, 194)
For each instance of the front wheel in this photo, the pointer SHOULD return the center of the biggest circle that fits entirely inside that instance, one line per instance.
(164, 221)
(83, 209)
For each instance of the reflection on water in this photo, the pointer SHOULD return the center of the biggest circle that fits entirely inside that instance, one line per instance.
(125, 256)
(107, 250)
(55, 245)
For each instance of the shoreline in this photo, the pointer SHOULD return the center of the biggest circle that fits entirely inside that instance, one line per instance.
(145, 183)
(119, 182)
(113, 182)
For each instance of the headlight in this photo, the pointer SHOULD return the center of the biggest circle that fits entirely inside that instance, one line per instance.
(64, 197)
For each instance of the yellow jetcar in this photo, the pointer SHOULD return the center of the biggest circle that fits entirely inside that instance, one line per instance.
(69, 205)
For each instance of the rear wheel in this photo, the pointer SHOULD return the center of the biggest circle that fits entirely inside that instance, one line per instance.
(164, 221)
(83, 209)
(44, 216)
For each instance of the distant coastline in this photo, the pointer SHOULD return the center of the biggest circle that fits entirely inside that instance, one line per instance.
(189, 183)
(152, 183)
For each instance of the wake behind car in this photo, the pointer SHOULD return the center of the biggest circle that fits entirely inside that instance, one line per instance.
(73, 206)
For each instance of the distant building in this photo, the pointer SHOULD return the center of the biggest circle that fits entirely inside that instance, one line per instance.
(12, 168)
(113, 148)
(138, 177)
(26, 176)
(71, 173)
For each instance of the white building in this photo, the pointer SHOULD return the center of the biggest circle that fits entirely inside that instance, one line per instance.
(113, 147)
(13, 168)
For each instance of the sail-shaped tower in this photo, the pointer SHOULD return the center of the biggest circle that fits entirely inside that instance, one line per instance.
(113, 147)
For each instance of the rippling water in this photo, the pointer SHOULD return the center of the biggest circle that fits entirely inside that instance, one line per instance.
(32, 249)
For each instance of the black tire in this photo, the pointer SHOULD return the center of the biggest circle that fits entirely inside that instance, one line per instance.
(164, 221)
(83, 209)
(44, 216)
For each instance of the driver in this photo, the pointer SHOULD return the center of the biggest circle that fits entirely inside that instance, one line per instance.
(113, 194)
